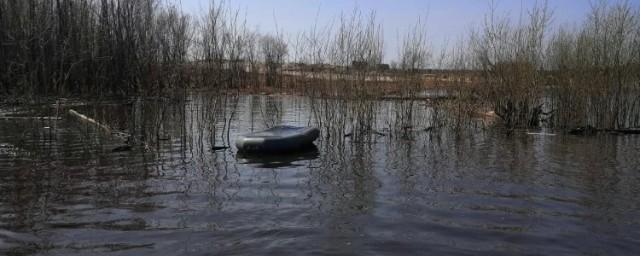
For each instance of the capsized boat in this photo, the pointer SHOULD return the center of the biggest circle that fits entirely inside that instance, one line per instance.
(279, 139)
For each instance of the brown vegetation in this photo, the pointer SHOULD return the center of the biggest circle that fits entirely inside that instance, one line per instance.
(526, 73)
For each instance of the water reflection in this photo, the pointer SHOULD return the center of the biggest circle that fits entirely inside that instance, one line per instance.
(383, 189)
(294, 159)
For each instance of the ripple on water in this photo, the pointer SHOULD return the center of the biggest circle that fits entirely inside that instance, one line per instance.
(64, 192)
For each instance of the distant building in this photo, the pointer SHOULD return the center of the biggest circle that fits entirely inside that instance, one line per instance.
(362, 65)
(513, 67)
(359, 65)
(383, 67)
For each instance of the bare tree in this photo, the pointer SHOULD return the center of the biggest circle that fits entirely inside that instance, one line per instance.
(274, 50)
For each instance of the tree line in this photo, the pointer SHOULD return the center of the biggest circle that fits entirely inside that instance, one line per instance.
(528, 72)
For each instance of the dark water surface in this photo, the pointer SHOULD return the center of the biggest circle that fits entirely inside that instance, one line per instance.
(63, 191)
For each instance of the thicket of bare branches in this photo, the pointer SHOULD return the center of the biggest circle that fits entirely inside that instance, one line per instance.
(568, 77)
(526, 72)
(90, 47)
(274, 50)
(226, 50)
(595, 70)
(510, 58)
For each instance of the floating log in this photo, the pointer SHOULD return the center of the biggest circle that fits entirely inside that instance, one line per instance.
(90, 120)
(121, 135)
(128, 139)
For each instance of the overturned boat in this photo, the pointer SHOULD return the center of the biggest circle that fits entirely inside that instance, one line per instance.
(279, 139)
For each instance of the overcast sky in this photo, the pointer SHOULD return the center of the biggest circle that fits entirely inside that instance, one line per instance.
(446, 20)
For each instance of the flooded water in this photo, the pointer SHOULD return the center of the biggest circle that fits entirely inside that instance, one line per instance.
(410, 190)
